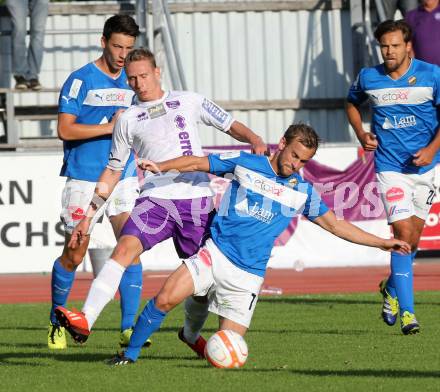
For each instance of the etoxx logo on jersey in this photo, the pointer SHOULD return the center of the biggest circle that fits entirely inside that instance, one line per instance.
(395, 96)
(108, 97)
(399, 122)
(265, 186)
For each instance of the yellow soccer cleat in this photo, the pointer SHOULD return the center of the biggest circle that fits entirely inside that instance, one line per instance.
(56, 337)
(124, 338)
(409, 323)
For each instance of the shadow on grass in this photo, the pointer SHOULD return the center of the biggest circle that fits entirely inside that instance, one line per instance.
(31, 359)
(379, 373)
(330, 301)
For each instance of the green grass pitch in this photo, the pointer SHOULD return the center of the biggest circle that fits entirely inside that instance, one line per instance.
(302, 343)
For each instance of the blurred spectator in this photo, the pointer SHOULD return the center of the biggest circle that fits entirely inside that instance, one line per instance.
(26, 62)
(391, 6)
(425, 24)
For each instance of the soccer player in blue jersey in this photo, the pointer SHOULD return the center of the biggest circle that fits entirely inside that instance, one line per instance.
(405, 95)
(264, 195)
(160, 125)
(89, 103)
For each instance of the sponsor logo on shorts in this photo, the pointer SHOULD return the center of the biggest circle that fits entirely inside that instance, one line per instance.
(205, 257)
(76, 213)
(399, 122)
(394, 194)
(173, 104)
(193, 261)
(218, 113)
(395, 211)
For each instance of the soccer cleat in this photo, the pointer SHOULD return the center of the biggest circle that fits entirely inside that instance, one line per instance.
(198, 347)
(409, 323)
(390, 306)
(74, 322)
(56, 337)
(120, 360)
(124, 338)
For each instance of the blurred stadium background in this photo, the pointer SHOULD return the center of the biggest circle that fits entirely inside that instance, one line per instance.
(270, 63)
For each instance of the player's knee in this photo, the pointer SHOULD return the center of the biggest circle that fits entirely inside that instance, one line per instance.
(71, 260)
(164, 302)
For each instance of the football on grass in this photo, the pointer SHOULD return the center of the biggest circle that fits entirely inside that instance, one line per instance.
(226, 349)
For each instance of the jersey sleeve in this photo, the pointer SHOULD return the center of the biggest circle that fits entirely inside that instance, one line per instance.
(356, 94)
(121, 145)
(220, 164)
(72, 96)
(314, 207)
(213, 115)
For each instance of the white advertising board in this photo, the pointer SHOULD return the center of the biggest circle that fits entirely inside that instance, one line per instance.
(31, 234)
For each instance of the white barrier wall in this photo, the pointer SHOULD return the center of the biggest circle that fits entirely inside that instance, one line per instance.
(31, 235)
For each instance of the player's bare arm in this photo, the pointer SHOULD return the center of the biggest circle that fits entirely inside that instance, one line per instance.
(367, 139)
(182, 164)
(425, 155)
(104, 187)
(242, 133)
(69, 129)
(352, 233)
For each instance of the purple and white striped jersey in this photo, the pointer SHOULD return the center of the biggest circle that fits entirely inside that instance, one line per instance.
(164, 129)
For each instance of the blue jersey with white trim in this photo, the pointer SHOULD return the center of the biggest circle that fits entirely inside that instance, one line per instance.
(93, 97)
(405, 116)
(257, 207)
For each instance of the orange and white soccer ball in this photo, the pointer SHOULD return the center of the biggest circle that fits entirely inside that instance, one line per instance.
(226, 349)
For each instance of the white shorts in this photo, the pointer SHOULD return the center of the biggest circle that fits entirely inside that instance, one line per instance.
(405, 195)
(232, 292)
(77, 195)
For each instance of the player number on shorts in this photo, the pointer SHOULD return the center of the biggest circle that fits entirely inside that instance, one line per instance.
(430, 198)
(252, 301)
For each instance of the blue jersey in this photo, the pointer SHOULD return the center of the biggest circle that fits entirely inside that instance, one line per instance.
(405, 116)
(93, 97)
(257, 207)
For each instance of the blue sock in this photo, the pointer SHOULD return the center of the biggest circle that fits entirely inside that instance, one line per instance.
(391, 287)
(148, 322)
(62, 281)
(130, 290)
(401, 269)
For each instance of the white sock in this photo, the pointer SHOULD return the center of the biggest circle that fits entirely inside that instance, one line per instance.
(196, 314)
(103, 290)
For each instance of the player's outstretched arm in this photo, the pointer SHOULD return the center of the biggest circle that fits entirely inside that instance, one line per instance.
(181, 164)
(104, 187)
(352, 233)
(242, 133)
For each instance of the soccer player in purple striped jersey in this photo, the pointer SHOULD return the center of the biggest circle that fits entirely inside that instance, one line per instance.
(161, 125)
(405, 97)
